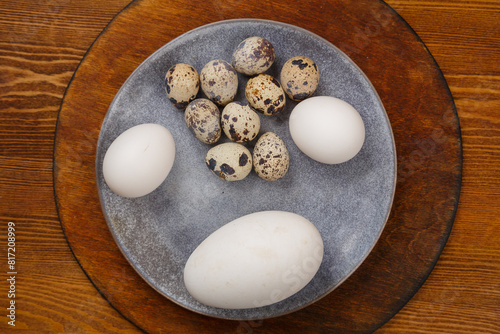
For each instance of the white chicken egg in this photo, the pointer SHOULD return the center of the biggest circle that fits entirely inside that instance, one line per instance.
(139, 160)
(255, 260)
(327, 129)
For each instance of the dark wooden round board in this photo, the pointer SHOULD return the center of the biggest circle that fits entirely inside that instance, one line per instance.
(422, 115)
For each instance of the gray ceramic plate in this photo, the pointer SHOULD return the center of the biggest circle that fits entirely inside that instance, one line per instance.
(349, 203)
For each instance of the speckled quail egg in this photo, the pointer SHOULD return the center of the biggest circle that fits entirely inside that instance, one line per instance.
(202, 117)
(229, 161)
(253, 56)
(299, 77)
(219, 81)
(270, 157)
(239, 122)
(182, 84)
(265, 94)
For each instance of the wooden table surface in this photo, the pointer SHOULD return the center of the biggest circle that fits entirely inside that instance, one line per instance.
(41, 45)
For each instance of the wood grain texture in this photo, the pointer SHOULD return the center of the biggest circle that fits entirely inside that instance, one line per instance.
(41, 44)
(462, 291)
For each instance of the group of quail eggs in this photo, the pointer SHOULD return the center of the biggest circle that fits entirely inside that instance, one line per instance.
(239, 121)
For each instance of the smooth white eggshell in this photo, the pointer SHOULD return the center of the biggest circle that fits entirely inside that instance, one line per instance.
(139, 160)
(255, 260)
(327, 129)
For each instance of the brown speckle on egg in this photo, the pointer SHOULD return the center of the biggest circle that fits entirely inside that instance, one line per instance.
(253, 56)
(229, 161)
(265, 94)
(182, 83)
(300, 78)
(270, 157)
(219, 81)
(239, 122)
(202, 117)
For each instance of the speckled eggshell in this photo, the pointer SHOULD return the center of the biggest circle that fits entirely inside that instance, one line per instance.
(202, 117)
(182, 84)
(239, 122)
(270, 157)
(229, 161)
(219, 81)
(265, 94)
(299, 77)
(253, 56)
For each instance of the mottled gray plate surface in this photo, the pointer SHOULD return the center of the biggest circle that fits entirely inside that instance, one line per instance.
(349, 203)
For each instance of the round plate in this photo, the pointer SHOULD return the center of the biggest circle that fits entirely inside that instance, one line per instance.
(349, 203)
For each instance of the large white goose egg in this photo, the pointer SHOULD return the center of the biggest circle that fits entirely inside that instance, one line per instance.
(139, 160)
(256, 260)
(327, 129)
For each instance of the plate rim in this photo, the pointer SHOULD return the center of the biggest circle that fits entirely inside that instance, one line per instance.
(383, 113)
